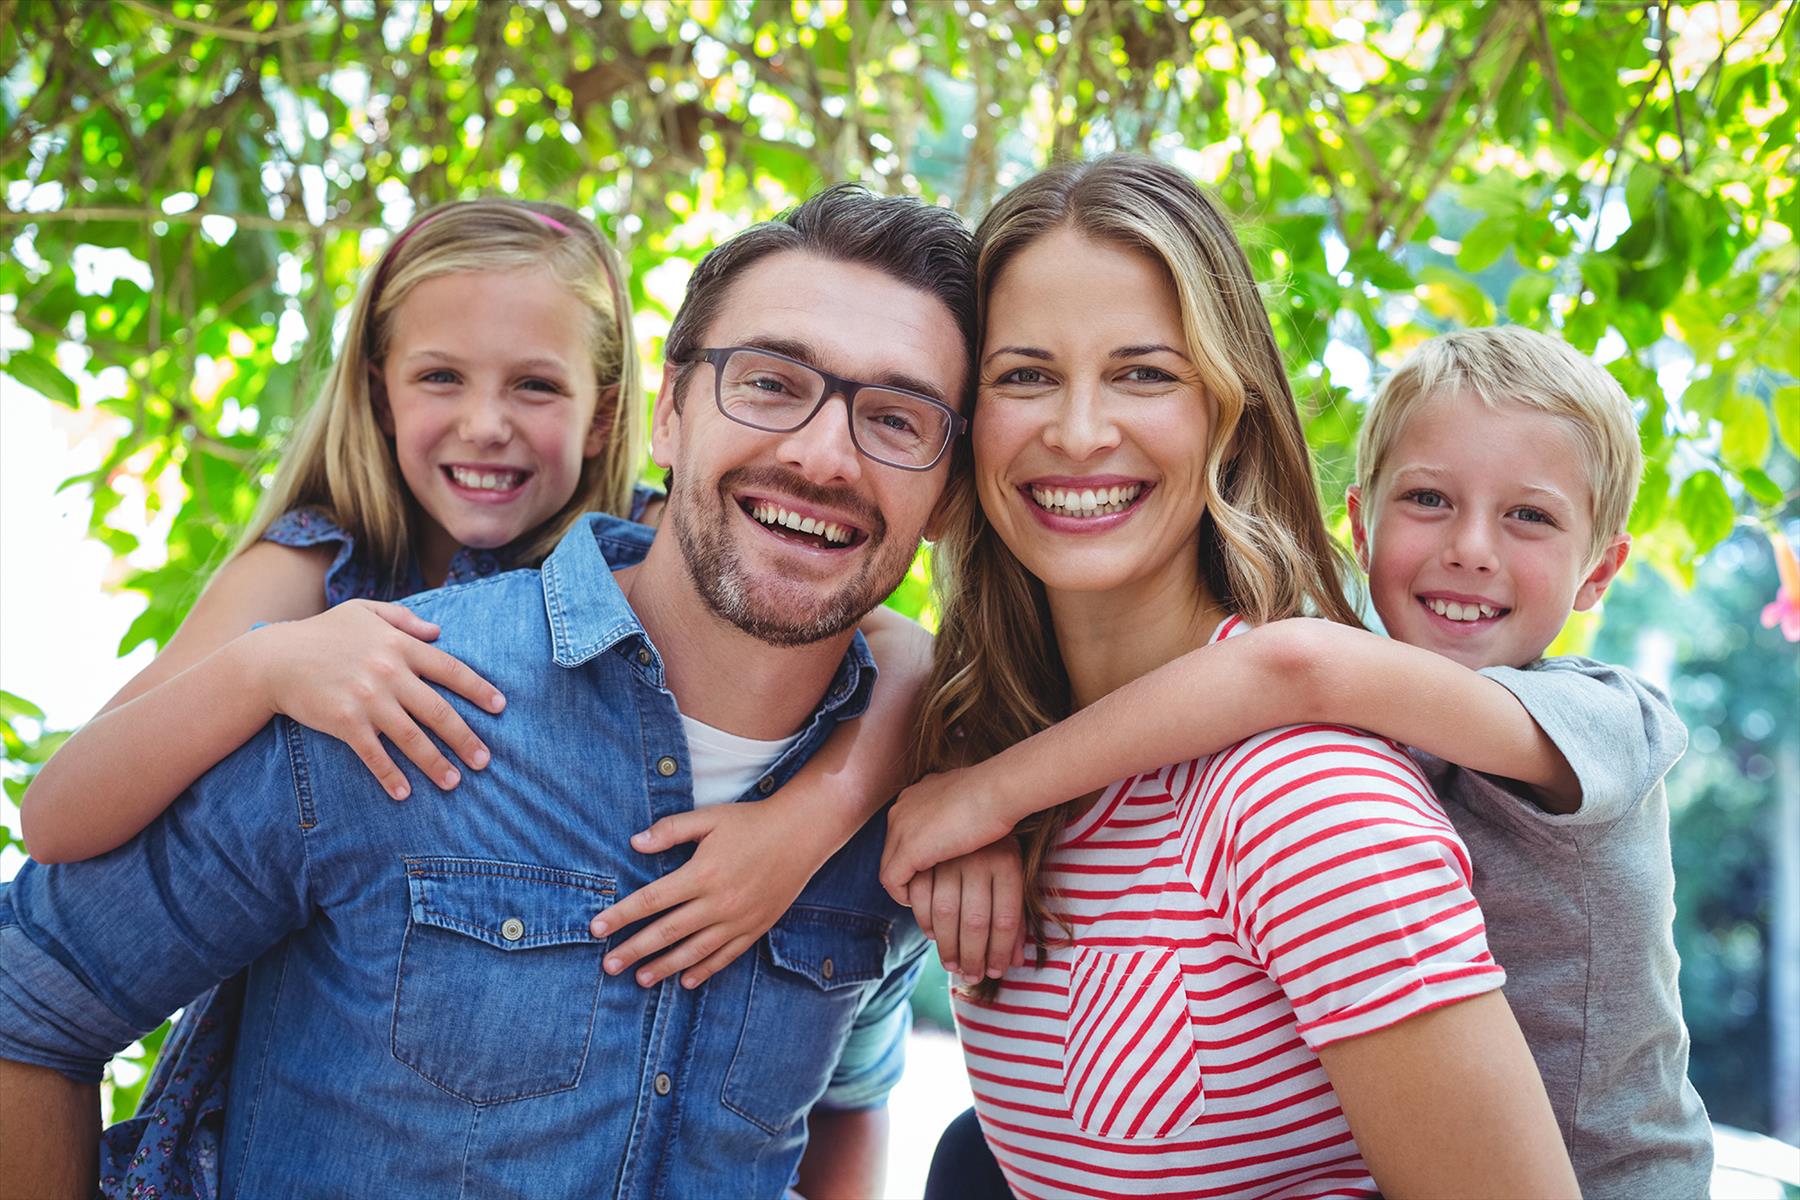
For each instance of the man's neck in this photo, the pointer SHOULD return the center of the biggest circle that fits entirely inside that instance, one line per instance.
(721, 675)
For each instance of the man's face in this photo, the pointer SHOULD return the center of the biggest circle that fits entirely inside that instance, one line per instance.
(794, 537)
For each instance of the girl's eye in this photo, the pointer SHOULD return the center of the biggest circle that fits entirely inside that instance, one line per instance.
(543, 385)
(440, 375)
(1426, 498)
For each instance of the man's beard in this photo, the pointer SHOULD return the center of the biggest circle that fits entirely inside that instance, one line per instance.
(794, 614)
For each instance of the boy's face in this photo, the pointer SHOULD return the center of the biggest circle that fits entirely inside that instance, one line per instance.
(1478, 532)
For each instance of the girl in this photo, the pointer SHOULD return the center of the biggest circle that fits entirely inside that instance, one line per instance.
(1245, 959)
(486, 396)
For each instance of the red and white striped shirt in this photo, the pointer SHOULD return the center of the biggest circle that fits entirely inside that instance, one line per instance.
(1229, 917)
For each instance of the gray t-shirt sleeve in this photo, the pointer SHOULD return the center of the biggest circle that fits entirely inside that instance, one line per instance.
(1617, 731)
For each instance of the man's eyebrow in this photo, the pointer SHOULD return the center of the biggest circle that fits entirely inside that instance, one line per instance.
(1020, 351)
(807, 354)
(1148, 348)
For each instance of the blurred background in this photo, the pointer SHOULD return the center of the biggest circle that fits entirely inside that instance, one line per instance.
(192, 189)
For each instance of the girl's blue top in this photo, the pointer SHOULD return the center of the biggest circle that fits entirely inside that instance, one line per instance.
(171, 1147)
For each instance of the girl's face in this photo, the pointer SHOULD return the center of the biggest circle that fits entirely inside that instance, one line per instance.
(1091, 430)
(491, 401)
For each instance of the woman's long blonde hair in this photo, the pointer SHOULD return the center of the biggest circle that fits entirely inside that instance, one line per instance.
(339, 459)
(997, 677)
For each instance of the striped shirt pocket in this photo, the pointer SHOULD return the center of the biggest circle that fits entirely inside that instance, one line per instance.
(1130, 1066)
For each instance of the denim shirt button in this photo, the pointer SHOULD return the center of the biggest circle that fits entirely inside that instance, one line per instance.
(643, 656)
(662, 1083)
(666, 766)
(512, 929)
(766, 784)
(826, 969)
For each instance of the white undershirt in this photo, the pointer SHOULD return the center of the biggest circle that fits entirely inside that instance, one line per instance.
(726, 765)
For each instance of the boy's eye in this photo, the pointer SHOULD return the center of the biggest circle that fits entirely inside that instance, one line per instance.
(1426, 498)
(1534, 516)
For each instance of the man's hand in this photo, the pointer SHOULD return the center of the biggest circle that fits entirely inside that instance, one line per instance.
(49, 1135)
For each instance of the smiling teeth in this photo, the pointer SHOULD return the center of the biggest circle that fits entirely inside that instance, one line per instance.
(487, 481)
(1461, 612)
(1086, 502)
(774, 514)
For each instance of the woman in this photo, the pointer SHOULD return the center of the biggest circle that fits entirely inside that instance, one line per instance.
(1260, 973)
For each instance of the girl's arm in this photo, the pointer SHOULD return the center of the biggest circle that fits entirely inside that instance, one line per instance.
(354, 673)
(1286, 673)
(753, 858)
(1449, 1103)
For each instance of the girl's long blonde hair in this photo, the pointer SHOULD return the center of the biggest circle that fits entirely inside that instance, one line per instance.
(338, 458)
(997, 676)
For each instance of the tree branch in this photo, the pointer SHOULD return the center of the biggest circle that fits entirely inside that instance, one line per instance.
(254, 37)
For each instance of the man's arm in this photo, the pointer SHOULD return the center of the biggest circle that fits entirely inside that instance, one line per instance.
(846, 1154)
(49, 1135)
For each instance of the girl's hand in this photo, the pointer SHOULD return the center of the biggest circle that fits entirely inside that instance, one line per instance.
(743, 876)
(973, 908)
(939, 818)
(358, 672)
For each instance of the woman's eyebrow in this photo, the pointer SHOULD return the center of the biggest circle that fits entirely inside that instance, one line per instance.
(1151, 348)
(1021, 351)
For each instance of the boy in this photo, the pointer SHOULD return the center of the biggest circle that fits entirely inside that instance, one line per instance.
(1494, 476)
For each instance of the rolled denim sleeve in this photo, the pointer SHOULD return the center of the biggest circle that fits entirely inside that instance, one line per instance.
(94, 954)
(875, 1053)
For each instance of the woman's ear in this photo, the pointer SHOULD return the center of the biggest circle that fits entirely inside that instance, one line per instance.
(384, 415)
(605, 412)
(1359, 534)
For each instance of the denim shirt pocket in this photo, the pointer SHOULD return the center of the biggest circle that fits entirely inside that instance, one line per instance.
(499, 977)
(813, 971)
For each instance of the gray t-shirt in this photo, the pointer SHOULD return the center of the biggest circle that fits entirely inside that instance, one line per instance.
(1579, 910)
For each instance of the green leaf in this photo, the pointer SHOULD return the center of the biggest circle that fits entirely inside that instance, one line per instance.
(1483, 245)
(1759, 487)
(1454, 296)
(14, 707)
(1526, 298)
(1786, 404)
(1744, 437)
(43, 377)
(1704, 510)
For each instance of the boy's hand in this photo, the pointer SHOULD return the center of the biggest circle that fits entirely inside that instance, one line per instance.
(973, 908)
(937, 819)
(743, 876)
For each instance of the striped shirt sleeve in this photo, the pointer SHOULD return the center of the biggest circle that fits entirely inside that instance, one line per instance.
(1342, 877)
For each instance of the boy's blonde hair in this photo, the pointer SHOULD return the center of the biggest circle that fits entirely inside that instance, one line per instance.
(339, 459)
(1509, 363)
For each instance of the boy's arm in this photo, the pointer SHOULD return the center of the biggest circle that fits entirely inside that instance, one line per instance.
(49, 1134)
(753, 859)
(1292, 672)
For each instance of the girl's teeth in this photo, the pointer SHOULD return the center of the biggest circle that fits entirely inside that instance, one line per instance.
(487, 481)
(1086, 502)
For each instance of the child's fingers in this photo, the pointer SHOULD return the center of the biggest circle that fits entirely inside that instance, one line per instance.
(718, 960)
(430, 709)
(675, 829)
(679, 957)
(946, 907)
(654, 938)
(402, 618)
(374, 756)
(433, 664)
(918, 898)
(655, 896)
(398, 726)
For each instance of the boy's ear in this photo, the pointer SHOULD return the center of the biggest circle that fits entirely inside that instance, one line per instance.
(665, 421)
(602, 426)
(1359, 534)
(1604, 572)
(384, 415)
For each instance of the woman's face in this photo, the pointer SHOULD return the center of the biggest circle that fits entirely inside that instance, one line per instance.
(1091, 430)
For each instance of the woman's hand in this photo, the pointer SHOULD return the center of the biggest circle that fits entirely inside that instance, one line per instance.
(749, 865)
(358, 672)
(973, 908)
(939, 818)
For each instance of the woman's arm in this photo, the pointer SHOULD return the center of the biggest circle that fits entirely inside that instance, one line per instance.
(753, 859)
(355, 673)
(1449, 1103)
(1287, 673)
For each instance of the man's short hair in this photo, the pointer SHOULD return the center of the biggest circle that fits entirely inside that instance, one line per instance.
(920, 245)
(1509, 363)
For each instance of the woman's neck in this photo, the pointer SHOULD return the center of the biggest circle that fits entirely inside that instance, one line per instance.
(1107, 639)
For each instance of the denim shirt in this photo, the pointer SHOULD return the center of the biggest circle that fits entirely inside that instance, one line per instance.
(425, 1011)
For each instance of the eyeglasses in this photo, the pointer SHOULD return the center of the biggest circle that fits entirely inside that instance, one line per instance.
(778, 394)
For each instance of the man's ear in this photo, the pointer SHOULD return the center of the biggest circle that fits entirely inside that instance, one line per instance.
(1359, 534)
(602, 425)
(665, 421)
(384, 414)
(1604, 572)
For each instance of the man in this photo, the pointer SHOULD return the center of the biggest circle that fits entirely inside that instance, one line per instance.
(426, 1013)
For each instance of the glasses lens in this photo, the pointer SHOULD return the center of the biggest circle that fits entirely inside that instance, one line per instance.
(767, 392)
(899, 428)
